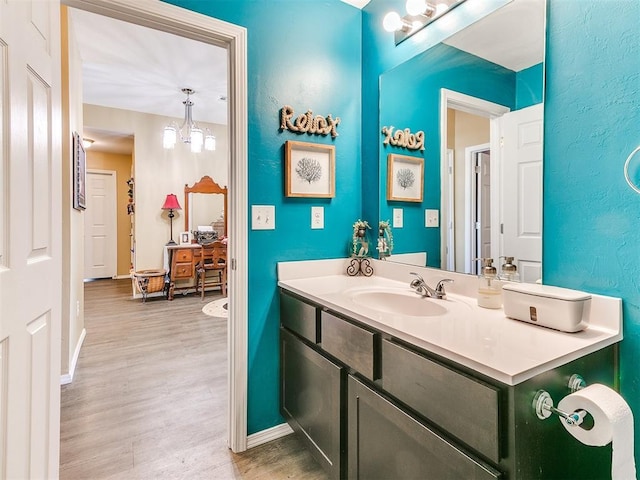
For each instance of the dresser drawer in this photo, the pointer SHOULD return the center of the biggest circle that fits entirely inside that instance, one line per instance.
(351, 344)
(183, 270)
(183, 255)
(299, 317)
(465, 407)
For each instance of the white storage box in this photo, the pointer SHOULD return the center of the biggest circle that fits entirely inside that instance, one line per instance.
(547, 306)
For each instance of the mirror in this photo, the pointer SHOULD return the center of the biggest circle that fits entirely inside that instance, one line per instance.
(482, 186)
(206, 205)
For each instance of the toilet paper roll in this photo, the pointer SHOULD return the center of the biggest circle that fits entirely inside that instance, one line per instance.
(613, 423)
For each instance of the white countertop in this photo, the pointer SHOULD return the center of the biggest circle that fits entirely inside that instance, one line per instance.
(482, 339)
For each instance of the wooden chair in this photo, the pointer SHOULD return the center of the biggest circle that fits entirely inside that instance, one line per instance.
(214, 259)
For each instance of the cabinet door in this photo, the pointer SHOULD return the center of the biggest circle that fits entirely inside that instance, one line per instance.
(384, 442)
(310, 399)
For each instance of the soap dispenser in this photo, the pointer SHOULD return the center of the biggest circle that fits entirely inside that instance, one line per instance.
(509, 271)
(489, 288)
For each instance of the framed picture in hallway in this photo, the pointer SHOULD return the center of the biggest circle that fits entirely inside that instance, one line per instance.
(79, 174)
(309, 170)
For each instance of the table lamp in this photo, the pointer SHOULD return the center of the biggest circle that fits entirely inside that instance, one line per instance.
(171, 204)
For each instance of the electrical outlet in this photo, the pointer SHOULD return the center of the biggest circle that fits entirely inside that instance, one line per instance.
(263, 217)
(397, 218)
(317, 218)
(431, 218)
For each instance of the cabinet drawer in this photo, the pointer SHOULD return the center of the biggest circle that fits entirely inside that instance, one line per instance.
(299, 317)
(184, 255)
(386, 442)
(352, 345)
(459, 404)
(183, 270)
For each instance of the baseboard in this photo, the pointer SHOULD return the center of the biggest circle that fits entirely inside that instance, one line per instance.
(267, 435)
(121, 277)
(68, 377)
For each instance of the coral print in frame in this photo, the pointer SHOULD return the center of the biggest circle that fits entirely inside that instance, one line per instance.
(309, 170)
(404, 178)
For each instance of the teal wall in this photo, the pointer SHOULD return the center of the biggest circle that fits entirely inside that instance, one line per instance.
(529, 86)
(409, 98)
(305, 54)
(592, 123)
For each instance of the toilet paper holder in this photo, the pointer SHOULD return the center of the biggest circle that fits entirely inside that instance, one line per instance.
(543, 405)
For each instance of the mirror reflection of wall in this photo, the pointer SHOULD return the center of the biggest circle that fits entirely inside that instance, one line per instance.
(472, 217)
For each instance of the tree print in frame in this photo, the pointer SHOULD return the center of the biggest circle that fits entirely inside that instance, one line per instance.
(405, 178)
(309, 170)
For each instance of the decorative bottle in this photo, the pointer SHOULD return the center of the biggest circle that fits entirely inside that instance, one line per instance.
(509, 270)
(489, 287)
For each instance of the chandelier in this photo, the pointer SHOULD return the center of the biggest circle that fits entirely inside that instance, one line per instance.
(189, 132)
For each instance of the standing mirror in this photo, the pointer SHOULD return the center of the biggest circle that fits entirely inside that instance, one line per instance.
(478, 97)
(206, 205)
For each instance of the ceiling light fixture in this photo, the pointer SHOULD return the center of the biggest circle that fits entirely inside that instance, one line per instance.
(87, 142)
(420, 13)
(189, 132)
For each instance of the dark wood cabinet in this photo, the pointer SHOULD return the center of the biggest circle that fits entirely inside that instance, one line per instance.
(311, 400)
(371, 406)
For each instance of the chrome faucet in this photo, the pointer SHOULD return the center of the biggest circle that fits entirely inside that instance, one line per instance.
(422, 288)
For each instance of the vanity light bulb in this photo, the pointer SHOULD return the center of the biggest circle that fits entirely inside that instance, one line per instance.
(392, 22)
(441, 8)
(415, 7)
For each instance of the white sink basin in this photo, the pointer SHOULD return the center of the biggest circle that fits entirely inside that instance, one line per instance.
(399, 301)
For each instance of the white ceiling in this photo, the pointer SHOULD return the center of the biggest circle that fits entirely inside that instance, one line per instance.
(512, 36)
(136, 68)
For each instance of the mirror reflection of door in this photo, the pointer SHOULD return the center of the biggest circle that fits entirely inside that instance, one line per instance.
(480, 240)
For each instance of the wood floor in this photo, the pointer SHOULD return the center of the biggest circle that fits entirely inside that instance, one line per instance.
(148, 400)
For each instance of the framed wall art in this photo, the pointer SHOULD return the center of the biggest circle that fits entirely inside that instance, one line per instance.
(79, 174)
(309, 170)
(405, 178)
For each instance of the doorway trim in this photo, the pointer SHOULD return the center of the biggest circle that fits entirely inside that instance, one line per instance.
(186, 23)
(483, 108)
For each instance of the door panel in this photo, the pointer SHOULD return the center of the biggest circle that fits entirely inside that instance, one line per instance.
(522, 188)
(30, 238)
(100, 226)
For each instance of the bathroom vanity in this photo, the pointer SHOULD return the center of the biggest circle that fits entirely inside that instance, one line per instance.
(377, 394)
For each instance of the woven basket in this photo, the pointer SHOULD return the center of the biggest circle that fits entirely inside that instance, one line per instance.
(155, 279)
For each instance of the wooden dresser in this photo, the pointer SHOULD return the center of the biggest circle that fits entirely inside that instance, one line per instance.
(183, 267)
(183, 260)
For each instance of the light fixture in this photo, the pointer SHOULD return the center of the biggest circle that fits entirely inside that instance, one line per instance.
(189, 132)
(87, 142)
(171, 204)
(420, 13)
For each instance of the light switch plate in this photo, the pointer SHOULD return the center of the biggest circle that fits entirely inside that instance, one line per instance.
(317, 218)
(431, 218)
(397, 218)
(263, 217)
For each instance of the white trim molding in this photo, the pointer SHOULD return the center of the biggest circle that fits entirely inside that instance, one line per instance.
(268, 435)
(67, 378)
(186, 23)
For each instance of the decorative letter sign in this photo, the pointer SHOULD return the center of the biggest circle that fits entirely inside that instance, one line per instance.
(307, 123)
(404, 138)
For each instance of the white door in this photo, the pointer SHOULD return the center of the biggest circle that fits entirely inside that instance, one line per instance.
(100, 225)
(522, 190)
(30, 238)
(483, 205)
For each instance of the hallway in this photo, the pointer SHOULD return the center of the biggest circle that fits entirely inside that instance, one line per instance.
(148, 400)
